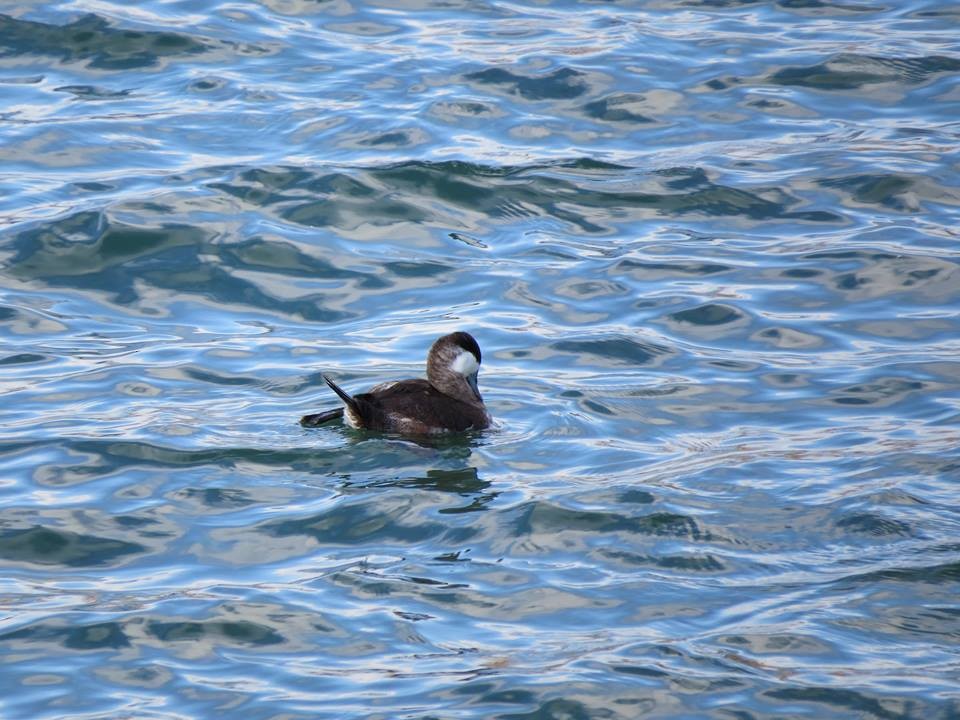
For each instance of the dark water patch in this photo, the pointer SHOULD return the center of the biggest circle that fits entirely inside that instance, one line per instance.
(719, 3)
(901, 192)
(875, 189)
(22, 80)
(94, 40)
(464, 482)
(208, 84)
(789, 338)
(261, 187)
(830, 700)
(358, 523)
(542, 519)
(419, 269)
(496, 698)
(393, 139)
(587, 165)
(219, 284)
(950, 12)
(216, 632)
(637, 497)
(342, 199)
(592, 289)
(270, 254)
(683, 178)
(94, 187)
(24, 359)
(650, 270)
(764, 104)
(398, 193)
(211, 377)
(643, 672)
(214, 498)
(555, 708)
(95, 251)
(446, 596)
(90, 636)
(350, 216)
(71, 466)
(945, 574)
(848, 255)
(737, 366)
(827, 7)
(614, 351)
(693, 563)
(592, 406)
(778, 644)
(117, 635)
(104, 456)
(708, 315)
(866, 523)
(92, 245)
(927, 623)
(92, 92)
(621, 107)
(850, 71)
(868, 274)
(786, 380)
(39, 545)
(802, 273)
(456, 111)
(140, 522)
(881, 392)
(561, 84)
(718, 85)
(363, 28)
(458, 184)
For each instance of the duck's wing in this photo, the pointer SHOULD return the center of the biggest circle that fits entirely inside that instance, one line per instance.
(416, 407)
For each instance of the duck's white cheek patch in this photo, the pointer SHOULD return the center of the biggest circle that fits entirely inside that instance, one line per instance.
(465, 363)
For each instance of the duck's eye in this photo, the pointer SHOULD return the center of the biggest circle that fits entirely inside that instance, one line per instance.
(465, 363)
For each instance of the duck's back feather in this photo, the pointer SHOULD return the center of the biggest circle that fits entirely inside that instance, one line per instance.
(411, 406)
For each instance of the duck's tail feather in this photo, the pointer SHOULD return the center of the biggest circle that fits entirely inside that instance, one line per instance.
(327, 415)
(321, 417)
(348, 399)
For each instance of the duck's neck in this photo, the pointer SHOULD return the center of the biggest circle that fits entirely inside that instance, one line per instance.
(456, 387)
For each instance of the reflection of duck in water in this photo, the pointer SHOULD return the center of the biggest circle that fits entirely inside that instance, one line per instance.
(447, 401)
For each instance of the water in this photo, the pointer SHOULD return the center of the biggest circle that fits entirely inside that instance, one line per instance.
(709, 249)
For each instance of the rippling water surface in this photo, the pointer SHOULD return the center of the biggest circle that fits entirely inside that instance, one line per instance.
(709, 248)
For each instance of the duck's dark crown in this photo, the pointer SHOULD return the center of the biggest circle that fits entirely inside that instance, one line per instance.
(466, 341)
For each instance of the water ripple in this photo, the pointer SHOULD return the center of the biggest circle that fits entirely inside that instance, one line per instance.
(708, 248)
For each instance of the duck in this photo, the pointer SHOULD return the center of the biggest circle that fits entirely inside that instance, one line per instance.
(448, 401)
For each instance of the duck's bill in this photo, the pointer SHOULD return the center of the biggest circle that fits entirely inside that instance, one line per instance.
(472, 381)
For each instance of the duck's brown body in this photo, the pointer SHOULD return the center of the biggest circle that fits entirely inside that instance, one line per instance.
(447, 401)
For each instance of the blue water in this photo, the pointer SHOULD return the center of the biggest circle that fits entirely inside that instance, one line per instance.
(710, 250)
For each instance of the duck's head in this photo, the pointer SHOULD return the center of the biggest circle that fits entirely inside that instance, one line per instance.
(452, 366)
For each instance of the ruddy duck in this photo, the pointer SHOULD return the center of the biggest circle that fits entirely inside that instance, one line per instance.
(447, 401)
